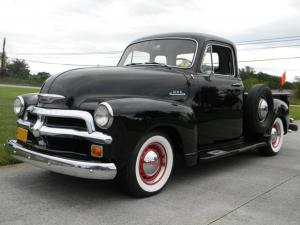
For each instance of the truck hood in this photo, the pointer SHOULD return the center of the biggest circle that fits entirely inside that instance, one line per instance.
(90, 85)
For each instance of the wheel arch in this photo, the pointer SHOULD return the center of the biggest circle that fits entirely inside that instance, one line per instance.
(174, 136)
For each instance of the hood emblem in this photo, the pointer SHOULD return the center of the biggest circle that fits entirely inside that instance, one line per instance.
(49, 98)
(176, 93)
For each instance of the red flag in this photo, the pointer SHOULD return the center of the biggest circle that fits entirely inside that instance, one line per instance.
(282, 79)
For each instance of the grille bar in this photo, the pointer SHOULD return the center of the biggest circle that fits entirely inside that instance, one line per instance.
(39, 128)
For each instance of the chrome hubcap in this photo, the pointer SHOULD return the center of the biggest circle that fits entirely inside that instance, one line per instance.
(263, 109)
(153, 163)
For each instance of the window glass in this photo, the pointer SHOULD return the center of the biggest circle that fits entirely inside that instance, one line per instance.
(184, 60)
(140, 57)
(173, 52)
(128, 59)
(206, 66)
(215, 59)
(161, 59)
(222, 60)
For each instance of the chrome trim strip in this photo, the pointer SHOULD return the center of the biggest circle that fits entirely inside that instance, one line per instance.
(163, 38)
(111, 112)
(89, 170)
(97, 137)
(49, 98)
(24, 123)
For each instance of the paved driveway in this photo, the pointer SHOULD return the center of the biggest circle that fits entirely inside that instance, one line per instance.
(244, 189)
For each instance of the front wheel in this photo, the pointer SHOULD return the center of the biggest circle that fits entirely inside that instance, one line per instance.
(150, 166)
(276, 139)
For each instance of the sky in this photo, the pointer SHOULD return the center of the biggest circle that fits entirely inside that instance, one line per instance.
(37, 30)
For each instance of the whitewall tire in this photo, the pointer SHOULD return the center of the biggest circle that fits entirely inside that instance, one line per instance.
(275, 142)
(150, 166)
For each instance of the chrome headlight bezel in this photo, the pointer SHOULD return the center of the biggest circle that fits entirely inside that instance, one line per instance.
(103, 115)
(19, 106)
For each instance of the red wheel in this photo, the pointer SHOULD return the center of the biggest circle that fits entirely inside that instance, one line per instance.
(152, 163)
(277, 135)
(276, 139)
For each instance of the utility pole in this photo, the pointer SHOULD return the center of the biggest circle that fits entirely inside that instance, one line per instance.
(2, 72)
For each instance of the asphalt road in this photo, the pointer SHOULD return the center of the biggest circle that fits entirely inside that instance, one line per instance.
(243, 189)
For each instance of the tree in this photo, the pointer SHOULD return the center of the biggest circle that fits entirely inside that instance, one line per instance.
(18, 68)
(41, 76)
(248, 83)
(297, 87)
(251, 77)
(3, 63)
(247, 72)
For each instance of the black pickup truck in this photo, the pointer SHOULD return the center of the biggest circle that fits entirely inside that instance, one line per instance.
(172, 94)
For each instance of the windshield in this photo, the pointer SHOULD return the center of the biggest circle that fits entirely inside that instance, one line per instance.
(172, 52)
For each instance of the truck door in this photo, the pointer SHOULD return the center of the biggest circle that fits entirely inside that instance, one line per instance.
(220, 96)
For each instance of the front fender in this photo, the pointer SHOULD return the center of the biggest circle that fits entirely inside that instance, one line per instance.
(137, 116)
(30, 99)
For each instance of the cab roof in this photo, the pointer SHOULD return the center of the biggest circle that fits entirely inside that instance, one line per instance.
(199, 37)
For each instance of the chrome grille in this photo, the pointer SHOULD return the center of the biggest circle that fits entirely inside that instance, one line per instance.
(63, 123)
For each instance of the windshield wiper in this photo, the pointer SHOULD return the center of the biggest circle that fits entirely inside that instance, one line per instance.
(150, 64)
(158, 64)
(133, 64)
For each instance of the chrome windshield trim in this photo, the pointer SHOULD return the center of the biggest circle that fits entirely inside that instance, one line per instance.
(166, 38)
(72, 167)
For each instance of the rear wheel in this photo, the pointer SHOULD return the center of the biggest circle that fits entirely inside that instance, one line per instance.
(276, 139)
(150, 166)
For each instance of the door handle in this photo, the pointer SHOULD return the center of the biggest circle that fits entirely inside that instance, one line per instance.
(237, 85)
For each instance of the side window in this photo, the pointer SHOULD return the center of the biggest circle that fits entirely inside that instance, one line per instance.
(218, 59)
(222, 60)
(207, 64)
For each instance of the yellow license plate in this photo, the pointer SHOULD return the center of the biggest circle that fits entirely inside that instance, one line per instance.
(22, 134)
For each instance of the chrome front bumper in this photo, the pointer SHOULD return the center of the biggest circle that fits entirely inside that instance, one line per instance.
(77, 168)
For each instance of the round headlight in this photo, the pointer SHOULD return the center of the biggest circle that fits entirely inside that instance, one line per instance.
(19, 106)
(103, 115)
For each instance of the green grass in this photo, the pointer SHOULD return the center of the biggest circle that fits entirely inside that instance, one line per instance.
(294, 101)
(295, 112)
(8, 119)
(25, 82)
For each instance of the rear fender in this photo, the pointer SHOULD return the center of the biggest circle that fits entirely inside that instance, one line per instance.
(281, 110)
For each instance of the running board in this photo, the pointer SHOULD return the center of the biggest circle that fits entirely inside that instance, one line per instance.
(212, 154)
